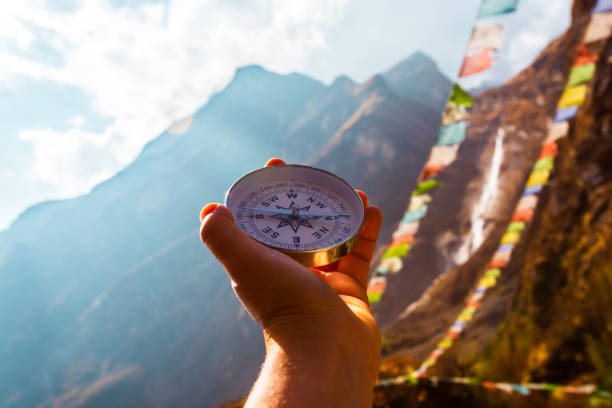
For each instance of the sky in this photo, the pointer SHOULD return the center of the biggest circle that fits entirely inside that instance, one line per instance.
(85, 84)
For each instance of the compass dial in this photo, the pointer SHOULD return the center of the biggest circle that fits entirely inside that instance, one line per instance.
(310, 214)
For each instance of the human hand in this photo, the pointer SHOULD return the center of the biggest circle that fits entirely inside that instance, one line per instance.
(323, 345)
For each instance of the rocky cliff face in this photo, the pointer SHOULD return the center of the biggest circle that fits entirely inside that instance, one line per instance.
(549, 319)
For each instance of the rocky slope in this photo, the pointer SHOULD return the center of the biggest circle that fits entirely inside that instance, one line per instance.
(549, 319)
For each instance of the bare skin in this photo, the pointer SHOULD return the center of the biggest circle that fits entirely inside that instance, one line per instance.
(322, 343)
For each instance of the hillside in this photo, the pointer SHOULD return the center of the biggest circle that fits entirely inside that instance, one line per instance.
(548, 319)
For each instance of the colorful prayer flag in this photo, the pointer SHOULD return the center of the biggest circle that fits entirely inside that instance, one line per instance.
(538, 178)
(565, 113)
(497, 263)
(584, 56)
(506, 248)
(495, 272)
(415, 215)
(516, 226)
(532, 190)
(453, 113)
(430, 172)
(599, 28)
(452, 134)
(425, 186)
(417, 202)
(398, 251)
(548, 149)
(374, 297)
(580, 74)
(476, 62)
(557, 131)
(460, 97)
(524, 216)
(487, 36)
(545, 163)
(511, 237)
(573, 96)
(528, 202)
(602, 6)
(442, 155)
(445, 343)
(405, 230)
(490, 8)
(520, 389)
(400, 240)
(502, 257)
(392, 265)
(487, 281)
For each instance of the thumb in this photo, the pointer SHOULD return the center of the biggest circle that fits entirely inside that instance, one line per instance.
(267, 281)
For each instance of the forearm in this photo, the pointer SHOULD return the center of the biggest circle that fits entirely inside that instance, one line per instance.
(307, 375)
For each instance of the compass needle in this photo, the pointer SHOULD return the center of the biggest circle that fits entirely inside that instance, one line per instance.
(309, 214)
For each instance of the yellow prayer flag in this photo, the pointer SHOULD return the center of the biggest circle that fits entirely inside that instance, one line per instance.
(538, 178)
(573, 96)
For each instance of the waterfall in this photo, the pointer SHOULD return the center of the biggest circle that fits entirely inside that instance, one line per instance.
(477, 233)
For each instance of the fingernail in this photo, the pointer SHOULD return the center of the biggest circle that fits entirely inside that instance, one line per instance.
(208, 208)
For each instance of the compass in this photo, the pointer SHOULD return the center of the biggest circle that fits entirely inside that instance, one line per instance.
(307, 213)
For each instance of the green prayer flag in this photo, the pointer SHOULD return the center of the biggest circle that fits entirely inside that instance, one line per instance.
(412, 379)
(549, 387)
(397, 251)
(451, 134)
(460, 97)
(374, 297)
(495, 272)
(580, 74)
(425, 186)
(603, 394)
(516, 226)
(545, 163)
(473, 381)
(490, 8)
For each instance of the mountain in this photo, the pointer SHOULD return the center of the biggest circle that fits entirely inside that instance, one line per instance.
(110, 299)
(548, 318)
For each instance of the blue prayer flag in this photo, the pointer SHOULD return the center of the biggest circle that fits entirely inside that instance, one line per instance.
(490, 8)
(520, 389)
(532, 190)
(415, 215)
(564, 114)
(506, 247)
(452, 134)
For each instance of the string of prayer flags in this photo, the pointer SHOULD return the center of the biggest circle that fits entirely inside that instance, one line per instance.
(460, 97)
(490, 8)
(489, 36)
(476, 62)
(549, 149)
(430, 172)
(599, 28)
(406, 230)
(376, 287)
(452, 134)
(573, 96)
(602, 6)
(565, 114)
(507, 387)
(580, 74)
(415, 215)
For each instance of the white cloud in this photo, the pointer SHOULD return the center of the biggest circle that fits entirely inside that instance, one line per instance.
(144, 67)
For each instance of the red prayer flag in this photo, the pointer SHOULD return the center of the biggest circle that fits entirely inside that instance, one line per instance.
(429, 172)
(402, 240)
(583, 56)
(476, 62)
(525, 216)
(488, 385)
(473, 304)
(549, 149)
(452, 335)
(497, 263)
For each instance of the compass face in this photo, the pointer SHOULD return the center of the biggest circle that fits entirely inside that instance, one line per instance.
(296, 209)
